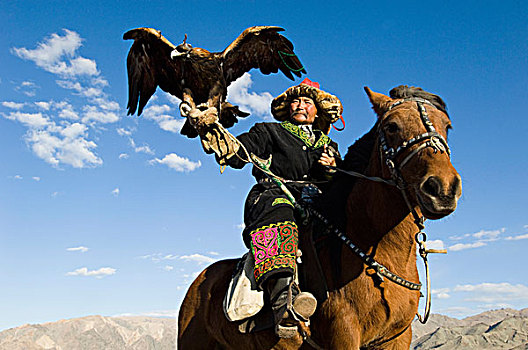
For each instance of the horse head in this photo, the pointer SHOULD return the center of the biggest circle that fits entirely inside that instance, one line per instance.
(413, 151)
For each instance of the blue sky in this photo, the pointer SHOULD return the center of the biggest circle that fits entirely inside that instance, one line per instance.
(101, 213)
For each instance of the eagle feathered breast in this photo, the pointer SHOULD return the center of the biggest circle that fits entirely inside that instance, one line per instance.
(154, 61)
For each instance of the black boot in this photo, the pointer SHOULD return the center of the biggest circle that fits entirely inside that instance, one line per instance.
(289, 305)
(278, 289)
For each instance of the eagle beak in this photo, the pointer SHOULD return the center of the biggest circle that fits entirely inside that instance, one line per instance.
(175, 53)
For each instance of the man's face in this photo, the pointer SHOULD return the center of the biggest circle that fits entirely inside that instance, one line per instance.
(303, 110)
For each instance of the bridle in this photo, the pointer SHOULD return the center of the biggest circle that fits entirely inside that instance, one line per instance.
(430, 139)
(388, 155)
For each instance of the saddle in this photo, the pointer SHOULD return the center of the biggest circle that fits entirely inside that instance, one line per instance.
(248, 307)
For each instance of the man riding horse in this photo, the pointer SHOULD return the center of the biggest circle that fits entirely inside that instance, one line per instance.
(298, 150)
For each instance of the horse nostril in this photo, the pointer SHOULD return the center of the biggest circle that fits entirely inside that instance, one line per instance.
(456, 187)
(431, 186)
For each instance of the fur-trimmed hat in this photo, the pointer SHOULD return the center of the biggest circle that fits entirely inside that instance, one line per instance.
(329, 108)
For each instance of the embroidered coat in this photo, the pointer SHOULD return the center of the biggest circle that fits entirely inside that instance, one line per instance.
(271, 231)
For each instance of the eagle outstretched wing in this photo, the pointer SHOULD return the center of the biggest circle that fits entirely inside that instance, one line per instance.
(260, 47)
(149, 65)
(201, 75)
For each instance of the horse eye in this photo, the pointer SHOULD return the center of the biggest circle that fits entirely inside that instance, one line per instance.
(392, 128)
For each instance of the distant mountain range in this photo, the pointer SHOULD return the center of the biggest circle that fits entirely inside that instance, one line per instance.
(94, 333)
(497, 329)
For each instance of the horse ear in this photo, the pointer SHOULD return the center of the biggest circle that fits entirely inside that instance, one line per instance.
(380, 102)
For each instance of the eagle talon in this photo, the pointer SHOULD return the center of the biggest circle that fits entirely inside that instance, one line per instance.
(185, 108)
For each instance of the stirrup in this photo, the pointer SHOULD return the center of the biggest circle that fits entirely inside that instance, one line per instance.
(304, 306)
(285, 332)
(287, 327)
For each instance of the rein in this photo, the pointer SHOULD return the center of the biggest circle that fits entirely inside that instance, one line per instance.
(430, 139)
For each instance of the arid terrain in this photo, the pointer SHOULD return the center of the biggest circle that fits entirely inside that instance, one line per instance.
(497, 329)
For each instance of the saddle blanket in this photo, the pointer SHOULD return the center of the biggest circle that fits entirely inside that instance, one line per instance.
(242, 299)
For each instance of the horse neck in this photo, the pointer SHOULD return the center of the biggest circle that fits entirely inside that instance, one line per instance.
(379, 222)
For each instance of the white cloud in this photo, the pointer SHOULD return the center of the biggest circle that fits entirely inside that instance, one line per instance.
(177, 163)
(458, 238)
(494, 292)
(58, 54)
(27, 88)
(441, 293)
(168, 268)
(157, 257)
(43, 105)
(124, 132)
(75, 151)
(31, 120)
(36, 178)
(17, 177)
(91, 92)
(488, 236)
(115, 191)
(200, 259)
(78, 249)
(516, 238)
(64, 109)
(435, 244)
(144, 149)
(172, 99)
(169, 257)
(158, 113)
(254, 103)
(92, 113)
(123, 156)
(68, 114)
(462, 246)
(13, 105)
(105, 104)
(83, 271)
(99, 81)
(73, 130)
(213, 253)
(52, 136)
(140, 149)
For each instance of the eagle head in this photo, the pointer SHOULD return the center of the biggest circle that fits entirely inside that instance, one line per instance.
(182, 50)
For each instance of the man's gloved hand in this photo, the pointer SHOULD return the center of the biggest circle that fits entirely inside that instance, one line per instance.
(201, 119)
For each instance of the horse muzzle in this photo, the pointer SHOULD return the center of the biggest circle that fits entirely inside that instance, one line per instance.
(437, 197)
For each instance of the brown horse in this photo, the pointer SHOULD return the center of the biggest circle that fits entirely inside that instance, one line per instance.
(409, 147)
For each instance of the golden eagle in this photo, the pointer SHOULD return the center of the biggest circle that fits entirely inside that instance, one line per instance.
(195, 74)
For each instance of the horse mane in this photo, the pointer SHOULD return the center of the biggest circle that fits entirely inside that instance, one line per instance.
(357, 159)
(358, 155)
(404, 91)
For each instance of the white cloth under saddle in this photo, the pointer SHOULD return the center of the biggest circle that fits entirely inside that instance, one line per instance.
(242, 299)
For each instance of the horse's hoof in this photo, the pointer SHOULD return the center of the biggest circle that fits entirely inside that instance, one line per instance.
(285, 332)
(304, 305)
